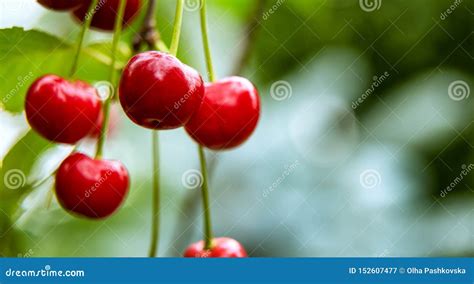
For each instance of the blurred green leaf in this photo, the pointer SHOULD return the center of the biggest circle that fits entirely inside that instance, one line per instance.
(12, 240)
(30, 54)
(17, 167)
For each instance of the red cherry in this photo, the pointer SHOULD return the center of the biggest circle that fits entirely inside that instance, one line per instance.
(228, 115)
(60, 110)
(222, 247)
(61, 5)
(90, 187)
(157, 91)
(105, 13)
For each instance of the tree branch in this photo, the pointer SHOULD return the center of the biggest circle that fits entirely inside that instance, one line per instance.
(148, 33)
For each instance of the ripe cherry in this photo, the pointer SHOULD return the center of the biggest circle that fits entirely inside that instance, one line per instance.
(60, 110)
(91, 188)
(105, 13)
(228, 115)
(61, 5)
(157, 91)
(222, 247)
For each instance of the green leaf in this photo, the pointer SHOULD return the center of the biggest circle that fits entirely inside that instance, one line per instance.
(17, 167)
(28, 54)
(31, 54)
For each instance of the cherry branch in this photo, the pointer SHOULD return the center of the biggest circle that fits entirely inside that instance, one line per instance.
(149, 33)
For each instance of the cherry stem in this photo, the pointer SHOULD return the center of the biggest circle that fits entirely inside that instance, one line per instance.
(155, 224)
(150, 35)
(85, 27)
(202, 156)
(205, 41)
(251, 31)
(178, 22)
(189, 206)
(205, 201)
(112, 75)
(155, 134)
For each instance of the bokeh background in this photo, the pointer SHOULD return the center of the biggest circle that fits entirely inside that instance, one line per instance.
(364, 148)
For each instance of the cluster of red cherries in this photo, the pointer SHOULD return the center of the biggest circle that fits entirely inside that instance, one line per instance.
(156, 91)
(103, 17)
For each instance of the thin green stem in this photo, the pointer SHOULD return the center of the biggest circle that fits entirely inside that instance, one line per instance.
(205, 41)
(155, 224)
(205, 200)
(189, 206)
(116, 39)
(112, 75)
(178, 22)
(85, 27)
(155, 141)
(202, 157)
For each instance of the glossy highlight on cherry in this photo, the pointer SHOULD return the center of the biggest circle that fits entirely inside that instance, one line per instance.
(62, 111)
(91, 188)
(228, 115)
(159, 92)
